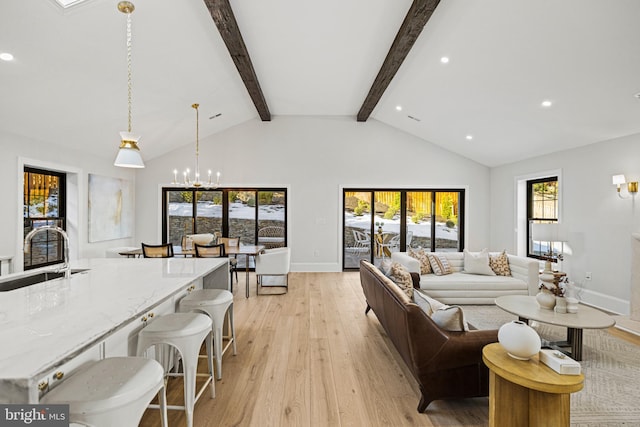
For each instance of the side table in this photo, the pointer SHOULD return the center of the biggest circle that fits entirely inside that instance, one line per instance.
(527, 393)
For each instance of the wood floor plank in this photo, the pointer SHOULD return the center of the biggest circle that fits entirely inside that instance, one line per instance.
(311, 357)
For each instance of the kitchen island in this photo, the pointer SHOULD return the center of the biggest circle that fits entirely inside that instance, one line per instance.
(49, 329)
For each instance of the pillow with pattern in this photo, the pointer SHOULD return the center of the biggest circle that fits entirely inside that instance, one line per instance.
(439, 264)
(421, 255)
(500, 264)
(401, 277)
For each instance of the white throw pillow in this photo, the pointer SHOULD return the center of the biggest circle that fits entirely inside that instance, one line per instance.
(477, 263)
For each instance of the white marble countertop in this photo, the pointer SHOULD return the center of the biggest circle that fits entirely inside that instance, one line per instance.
(43, 324)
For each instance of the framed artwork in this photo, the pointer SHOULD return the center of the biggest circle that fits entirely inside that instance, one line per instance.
(110, 208)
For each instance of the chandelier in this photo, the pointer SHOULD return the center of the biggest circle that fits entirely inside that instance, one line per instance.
(186, 175)
(128, 153)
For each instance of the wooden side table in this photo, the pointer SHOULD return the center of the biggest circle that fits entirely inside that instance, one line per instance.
(527, 393)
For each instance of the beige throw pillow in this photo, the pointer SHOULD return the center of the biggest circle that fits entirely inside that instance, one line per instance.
(447, 317)
(500, 264)
(421, 255)
(477, 263)
(439, 264)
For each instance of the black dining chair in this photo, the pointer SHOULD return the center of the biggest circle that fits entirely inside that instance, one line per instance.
(157, 251)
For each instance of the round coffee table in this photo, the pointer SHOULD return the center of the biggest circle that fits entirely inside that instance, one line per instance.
(526, 308)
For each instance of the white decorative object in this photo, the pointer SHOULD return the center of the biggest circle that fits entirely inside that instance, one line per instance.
(572, 305)
(519, 339)
(560, 362)
(561, 305)
(546, 299)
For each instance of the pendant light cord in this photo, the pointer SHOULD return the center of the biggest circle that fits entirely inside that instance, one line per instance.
(129, 68)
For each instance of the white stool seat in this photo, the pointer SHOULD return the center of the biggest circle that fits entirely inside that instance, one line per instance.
(185, 332)
(112, 391)
(216, 303)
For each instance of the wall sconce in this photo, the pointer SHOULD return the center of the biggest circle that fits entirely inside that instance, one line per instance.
(632, 187)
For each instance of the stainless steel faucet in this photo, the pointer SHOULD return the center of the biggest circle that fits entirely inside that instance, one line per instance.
(66, 267)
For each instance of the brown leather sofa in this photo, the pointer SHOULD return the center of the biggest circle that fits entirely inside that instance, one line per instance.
(446, 365)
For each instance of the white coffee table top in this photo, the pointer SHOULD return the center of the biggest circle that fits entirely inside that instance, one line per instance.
(526, 306)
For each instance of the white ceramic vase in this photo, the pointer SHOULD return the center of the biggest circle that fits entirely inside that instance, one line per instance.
(519, 339)
(561, 305)
(546, 299)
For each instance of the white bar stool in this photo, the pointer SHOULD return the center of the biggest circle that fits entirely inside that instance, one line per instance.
(112, 392)
(216, 303)
(185, 332)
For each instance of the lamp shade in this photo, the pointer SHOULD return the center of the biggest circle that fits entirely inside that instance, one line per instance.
(551, 232)
(129, 153)
(618, 179)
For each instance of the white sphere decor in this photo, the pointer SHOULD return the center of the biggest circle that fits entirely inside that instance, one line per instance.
(519, 339)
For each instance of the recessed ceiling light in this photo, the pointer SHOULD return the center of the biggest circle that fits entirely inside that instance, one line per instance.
(637, 95)
(399, 107)
(469, 137)
(444, 59)
(5, 56)
(546, 103)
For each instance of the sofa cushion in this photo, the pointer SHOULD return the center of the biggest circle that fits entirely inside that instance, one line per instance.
(470, 282)
(477, 263)
(447, 317)
(421, 255)
(439, 264)
(500, 264)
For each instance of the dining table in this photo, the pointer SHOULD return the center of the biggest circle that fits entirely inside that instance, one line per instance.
(247, 250)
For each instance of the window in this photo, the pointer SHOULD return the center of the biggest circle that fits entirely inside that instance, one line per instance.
(542, 207)
(243, 213)
(44, 204)
(400, 219)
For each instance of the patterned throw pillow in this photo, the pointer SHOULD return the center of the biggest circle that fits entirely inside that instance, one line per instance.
(439, 264)
(421, 255)
(500, 264)
(401, 277)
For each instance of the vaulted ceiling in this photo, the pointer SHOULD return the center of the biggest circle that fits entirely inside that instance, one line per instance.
(67, 83)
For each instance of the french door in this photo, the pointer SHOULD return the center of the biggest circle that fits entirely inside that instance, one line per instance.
(233, 212)
(379, 222)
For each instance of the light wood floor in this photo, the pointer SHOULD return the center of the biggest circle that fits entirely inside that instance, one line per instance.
(312, 358)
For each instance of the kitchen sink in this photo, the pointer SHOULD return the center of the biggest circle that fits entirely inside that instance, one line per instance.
(32, 279)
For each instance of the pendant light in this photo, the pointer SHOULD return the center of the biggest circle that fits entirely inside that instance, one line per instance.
(196, 181)
(129, 153)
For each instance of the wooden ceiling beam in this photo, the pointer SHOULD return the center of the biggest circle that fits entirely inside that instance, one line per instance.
(417, 17)
(225, 20)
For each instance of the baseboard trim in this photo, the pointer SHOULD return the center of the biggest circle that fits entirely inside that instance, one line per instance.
(328, 267)
(607, 303)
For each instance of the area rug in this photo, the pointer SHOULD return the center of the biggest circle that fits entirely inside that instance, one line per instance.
(611, 366)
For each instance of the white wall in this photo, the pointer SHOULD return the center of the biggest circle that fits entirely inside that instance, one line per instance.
(315, 157)
(599, 222)
(16, 151)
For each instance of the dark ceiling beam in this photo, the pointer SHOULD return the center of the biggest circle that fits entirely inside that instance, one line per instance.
(417, 17)
(222, 15)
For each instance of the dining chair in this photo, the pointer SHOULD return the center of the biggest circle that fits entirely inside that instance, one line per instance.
(157, 251)
(210, 251)
(233, 262)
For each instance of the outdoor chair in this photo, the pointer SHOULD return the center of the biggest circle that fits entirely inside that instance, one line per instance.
(361, 247)
(271, 237)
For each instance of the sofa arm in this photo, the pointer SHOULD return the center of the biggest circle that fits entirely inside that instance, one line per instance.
(412, 264)
(525, 269)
